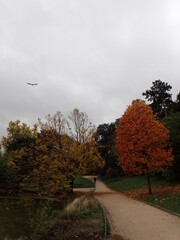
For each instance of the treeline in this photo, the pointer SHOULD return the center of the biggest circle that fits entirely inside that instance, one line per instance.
(166, 111)
(49, 156)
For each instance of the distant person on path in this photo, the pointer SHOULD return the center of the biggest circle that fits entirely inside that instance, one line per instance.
(94, 181)
(99, 177)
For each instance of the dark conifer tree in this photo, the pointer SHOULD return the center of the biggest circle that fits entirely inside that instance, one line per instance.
(160, 98)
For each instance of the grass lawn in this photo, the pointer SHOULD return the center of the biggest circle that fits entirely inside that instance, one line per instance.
(81, 182)
(167, 201)
(132, 183)
(166, 193)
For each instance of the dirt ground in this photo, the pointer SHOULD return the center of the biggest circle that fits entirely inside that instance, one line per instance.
(74, 230)
(135, 220)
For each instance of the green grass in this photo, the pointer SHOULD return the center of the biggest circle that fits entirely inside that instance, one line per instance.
(81, 213)
(82, 217)
(167, 201)
(81, 182)
(85, 208)
(128, 183)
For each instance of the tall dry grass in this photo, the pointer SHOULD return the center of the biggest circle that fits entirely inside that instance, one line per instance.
(81, 207)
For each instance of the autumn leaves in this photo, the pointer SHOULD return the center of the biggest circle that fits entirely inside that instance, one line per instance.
(142, 141)
(51, 154)
(49, 158)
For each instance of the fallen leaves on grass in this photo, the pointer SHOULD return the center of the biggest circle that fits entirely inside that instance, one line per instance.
(143, 193)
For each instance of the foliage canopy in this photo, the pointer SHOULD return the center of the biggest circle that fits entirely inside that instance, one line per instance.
(142, 141)
(160, 98)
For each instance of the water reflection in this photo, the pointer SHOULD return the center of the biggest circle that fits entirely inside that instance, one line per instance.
(17, 216)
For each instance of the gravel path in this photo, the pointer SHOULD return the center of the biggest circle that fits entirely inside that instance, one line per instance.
(135, 220)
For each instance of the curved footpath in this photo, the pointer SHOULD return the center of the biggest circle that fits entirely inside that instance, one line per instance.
(135, 220)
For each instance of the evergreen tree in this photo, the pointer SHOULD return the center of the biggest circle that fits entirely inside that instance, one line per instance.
(160, 98)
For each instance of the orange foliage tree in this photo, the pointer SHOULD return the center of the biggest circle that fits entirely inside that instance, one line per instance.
(141, 141)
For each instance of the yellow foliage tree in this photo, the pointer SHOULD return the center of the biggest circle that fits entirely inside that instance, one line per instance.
(52, 157)
(77, 152)
(79, 158)
(45, 162)
(19, 135)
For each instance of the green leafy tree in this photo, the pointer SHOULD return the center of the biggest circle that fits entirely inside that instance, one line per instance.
(105, 138)
(160, 98)
(176, 104)
(173, 124)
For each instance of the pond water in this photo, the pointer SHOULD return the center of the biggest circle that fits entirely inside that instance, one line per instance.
(17, 215)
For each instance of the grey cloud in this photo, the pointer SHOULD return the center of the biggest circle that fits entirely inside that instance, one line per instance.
(94, 55)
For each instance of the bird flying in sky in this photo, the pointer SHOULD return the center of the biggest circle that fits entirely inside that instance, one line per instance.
(32, 84)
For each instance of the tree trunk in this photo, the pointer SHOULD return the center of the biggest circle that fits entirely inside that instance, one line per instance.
(71, 183)
(148, 179)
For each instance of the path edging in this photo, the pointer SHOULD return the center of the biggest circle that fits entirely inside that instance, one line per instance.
(161, 208)
(105, 222)
(153, 205)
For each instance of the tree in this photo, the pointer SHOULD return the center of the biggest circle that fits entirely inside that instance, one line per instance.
(81, 129)
(173, 124)
(45, 162)
(160, 97)
(142, 141)
(83, 155)
(19, 136)
(76, 153)
(56, 122)
(177, 103)
(79, 158)
(3, 167)
(105, 138)
(51, 157)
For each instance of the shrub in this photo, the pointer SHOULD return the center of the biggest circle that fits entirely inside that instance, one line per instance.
(44, 222)
(112, 173)
(177, 166)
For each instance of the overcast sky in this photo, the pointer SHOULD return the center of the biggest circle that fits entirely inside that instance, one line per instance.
(95, 55)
